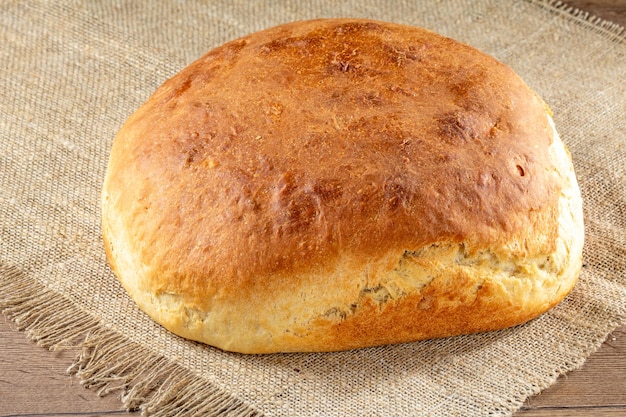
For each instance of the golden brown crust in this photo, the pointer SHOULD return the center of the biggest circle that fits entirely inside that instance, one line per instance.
(314, 156)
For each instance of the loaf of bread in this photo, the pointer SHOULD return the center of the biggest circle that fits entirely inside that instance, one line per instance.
(341, 183)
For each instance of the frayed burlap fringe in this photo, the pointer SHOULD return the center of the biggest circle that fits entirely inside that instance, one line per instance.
(611, 30)
(107, 361)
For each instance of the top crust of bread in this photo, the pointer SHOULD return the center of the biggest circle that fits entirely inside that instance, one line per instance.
(340, 183)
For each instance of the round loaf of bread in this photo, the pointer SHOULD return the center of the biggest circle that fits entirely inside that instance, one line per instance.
(340, 183)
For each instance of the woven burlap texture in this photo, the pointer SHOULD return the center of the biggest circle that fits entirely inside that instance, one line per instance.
(72, 72)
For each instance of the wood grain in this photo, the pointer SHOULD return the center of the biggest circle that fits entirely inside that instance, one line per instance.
(611, 10)
(33, 380)
(598, 387)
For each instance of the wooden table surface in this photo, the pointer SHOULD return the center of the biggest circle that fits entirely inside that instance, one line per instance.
(33, 380)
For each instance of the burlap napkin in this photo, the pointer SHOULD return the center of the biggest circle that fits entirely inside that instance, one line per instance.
(72, 72)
